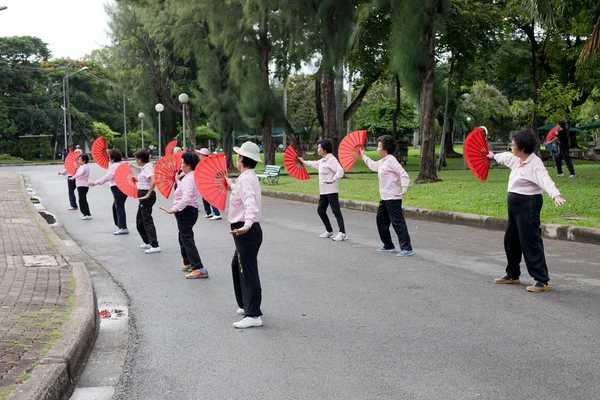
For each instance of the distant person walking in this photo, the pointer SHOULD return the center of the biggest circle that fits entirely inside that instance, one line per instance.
(211, 212)
(72, 187)
(562, 138)
(81, 179)
(523, 237)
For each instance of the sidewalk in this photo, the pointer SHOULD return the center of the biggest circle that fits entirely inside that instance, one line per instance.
(37, 297)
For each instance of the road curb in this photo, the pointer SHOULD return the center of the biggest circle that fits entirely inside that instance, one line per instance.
(55, 374)
(550, 231)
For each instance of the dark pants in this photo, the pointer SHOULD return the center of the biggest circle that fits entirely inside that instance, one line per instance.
(563, 154)
(524, 237)
(72, 188)
(144, 221)
(118, 208)
(390, 211)
(332, 200)
(207, 207)
(244, 269)
(186, 219)
(83, 204)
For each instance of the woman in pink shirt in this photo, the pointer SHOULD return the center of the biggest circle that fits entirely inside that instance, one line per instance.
(390, 172)
(330, 172)
(244, 217)
(185, 208)
(115, 158)
(523, 237)
(81, 179)
(147, 198)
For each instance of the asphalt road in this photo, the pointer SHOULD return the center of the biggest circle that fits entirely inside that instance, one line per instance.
(341, 320)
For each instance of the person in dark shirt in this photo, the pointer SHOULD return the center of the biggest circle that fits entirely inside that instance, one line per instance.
(562, 138)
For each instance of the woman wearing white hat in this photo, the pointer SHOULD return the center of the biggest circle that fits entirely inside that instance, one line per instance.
(244, 217)
(215, 213)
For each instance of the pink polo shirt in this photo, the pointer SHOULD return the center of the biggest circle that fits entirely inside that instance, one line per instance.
(330, 170)
(144, 177)
(110, 175)
(245, 200)
(527, 177)
(82, 177)
(186, 193)
(389, 171)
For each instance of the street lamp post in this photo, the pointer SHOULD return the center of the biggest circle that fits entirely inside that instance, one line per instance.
(159, 109)
(67, 105)
(183, 99)
(141, 116)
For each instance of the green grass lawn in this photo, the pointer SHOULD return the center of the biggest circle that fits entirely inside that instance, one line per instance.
(460, 191)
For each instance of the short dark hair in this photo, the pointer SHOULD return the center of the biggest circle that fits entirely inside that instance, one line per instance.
(248, 162)
(525, 140)
(562, 124)
(85, 158)
(190, 158)
(387, 143)
(142, 155)
(326, 145)
(115, 155)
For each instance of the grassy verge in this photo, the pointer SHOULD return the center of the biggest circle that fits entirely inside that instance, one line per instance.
(460, 191)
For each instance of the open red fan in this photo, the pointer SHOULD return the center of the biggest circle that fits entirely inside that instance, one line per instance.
(552, 133)
(476, 153)
(71, 163)
(165, 171)
(210, 177)
(170, 147)
(349, 150)
(126, 181)
(100, 152)
(293, 165)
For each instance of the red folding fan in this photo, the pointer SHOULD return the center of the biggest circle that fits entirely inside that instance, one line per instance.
(350, 147)
(210, 177)
(165, 171)
(126, 181)
(71, 162)
(170, 147)
(552, 133)
(476, 153)
(293, 165)
(100, 152)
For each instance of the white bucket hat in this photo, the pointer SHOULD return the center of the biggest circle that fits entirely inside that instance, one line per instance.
(250, 150)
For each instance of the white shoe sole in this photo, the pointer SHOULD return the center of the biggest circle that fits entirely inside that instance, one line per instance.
(240, 311)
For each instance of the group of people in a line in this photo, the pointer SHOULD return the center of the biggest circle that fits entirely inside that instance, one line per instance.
(523, 238)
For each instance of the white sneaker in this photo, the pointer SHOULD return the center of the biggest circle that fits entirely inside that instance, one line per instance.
(571, 176)
(560, 175)
(248, 322)
(215, 217)
(152, 250)
(145, 246)
(86, 217)
(121, 232)
(326, 235)
(208, 216)
(241, 311)
(340, 237)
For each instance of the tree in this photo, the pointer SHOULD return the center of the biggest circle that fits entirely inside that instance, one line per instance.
(488, 107)
(101, 129)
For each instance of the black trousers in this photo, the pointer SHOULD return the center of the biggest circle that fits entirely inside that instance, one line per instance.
(524, 237)
(332, 200)
(143, 219)
(118, 208)
(83, 204)
(186, 219)
(207, 208)
(244, 269)
(563, 154)
(72, 188)
(390, 212)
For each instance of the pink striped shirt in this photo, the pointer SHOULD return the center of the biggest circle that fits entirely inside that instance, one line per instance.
(389, 171)
(144, 177)
(186, 193)
(82, 177)
(245, 200)
(527, 177)
(330, 170)
(110, 175)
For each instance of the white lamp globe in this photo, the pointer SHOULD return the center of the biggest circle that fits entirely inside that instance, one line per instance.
(159, 107)
(183, 98)
(141, 115)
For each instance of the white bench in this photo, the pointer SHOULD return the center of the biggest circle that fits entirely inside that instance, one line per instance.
(270, 174)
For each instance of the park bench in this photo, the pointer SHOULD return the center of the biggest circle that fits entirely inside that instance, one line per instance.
(270, 174)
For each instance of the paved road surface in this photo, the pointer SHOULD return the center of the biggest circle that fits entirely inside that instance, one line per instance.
(341, 320)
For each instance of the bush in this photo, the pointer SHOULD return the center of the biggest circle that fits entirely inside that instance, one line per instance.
(35, 149)
(8, 157)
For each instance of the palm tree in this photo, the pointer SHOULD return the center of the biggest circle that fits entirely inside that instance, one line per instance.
(592, 47)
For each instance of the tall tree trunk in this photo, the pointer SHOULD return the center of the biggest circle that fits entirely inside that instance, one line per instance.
(330, 128)
(427, 172)
(319, 101)
(397, 110)
(359, 98)
(339, 104)
(529, 30)
(228, 147)
(291, 135)
(445, 125)
(267, 140)
(449, 148)
(191, 125)
(266, 124)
